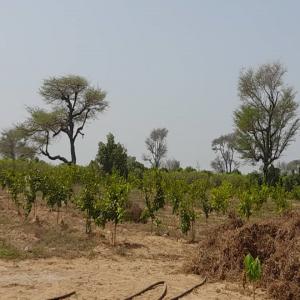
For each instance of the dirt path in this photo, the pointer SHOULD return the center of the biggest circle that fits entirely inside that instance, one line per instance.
(141, 259)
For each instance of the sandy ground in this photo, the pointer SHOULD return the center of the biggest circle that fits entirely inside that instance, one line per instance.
(140, 260)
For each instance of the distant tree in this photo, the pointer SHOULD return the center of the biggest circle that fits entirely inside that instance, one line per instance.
(225, 147)
(218, 165)
(266, 122)
(292, 167)
(135, 167)
(172, 164)
(190, 169)
(15, 145)
(157, 147)
(73, 102)
(112, 156)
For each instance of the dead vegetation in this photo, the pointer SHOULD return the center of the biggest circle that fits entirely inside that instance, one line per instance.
(275, 241)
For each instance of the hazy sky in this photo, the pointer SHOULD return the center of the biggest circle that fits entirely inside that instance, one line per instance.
(166, 63)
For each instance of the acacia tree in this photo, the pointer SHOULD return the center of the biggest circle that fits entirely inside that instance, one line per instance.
(266, 122)
(225, 147)
(156, 145)
(15, 145)
(73, 102)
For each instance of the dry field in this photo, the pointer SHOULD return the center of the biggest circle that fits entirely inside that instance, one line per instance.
(42, 260)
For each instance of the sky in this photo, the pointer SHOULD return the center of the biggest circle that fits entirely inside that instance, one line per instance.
(170, 63)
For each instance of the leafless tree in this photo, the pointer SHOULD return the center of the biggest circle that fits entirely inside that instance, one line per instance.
(156, 145)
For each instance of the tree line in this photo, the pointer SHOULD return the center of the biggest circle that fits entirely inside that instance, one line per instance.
(265, 124)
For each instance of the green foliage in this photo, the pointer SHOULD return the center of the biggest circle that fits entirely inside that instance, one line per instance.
(153, 188)
(281, 198)
(296, 192)
(253, 270)
(220, 197)
(112, 157)
(15, 145)
(246, 204)
(252, 267)
(89, 196)
(200, 193)
(266, 121)
(73, 101)
(112, 205)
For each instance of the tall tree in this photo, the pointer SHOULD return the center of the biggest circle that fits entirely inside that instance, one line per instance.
(15, 145)
(73, 102)
(112, 156)
(266, 122)
(156, 145)
(225, 147)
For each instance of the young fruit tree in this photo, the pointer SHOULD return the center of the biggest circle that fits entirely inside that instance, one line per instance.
(89, 197)
(112, 206)
(266, 122)
(73, 101)
(152, 186)
(253, 270)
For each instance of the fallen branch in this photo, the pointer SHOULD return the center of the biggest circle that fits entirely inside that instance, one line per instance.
(152, 286)
(63, 296)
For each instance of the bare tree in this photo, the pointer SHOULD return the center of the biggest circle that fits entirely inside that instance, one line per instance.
(218, 165)
(225, 147)
(172, 164)
(156, 145)
(266, 122)
(73, 102)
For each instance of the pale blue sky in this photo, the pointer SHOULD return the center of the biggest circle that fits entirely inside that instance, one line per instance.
(163, 63)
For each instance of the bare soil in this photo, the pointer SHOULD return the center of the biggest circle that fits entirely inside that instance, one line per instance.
(43, 259)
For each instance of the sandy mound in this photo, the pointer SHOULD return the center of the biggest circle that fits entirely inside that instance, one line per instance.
(276, 242)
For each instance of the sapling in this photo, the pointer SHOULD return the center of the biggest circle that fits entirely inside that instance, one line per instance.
(220, 197)
(246, 203)
(112, 206)
(152, 186)
(253, 270)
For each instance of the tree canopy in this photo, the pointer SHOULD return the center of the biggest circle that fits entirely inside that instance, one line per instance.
(15, 145)
(73, 101)
(266, 122)
(112, 156)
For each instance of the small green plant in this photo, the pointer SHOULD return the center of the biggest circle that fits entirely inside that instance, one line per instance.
(246, 204)
(253, 270)
(281, 198)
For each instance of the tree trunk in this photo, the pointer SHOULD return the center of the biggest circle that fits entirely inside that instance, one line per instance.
(265, 172)
(73, 153)
(57, 217)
